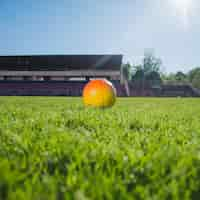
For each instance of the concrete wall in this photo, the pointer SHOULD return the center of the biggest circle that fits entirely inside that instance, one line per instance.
(48, 88)
(75, 88)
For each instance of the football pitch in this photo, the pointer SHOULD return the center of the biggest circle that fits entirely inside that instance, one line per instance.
(141, 148)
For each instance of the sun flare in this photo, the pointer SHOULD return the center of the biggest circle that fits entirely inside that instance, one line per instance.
(183, 9)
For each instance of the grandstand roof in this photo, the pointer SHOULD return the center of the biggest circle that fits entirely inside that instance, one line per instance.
(60, 62)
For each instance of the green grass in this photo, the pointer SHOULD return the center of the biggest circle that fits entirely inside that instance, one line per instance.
(54, 148)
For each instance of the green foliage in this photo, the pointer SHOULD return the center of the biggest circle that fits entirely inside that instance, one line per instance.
(126, 71)
(196, 81)
(192, 73)
(153, 78)
(181, 77)
(194, 77)
(139, 75)
(176, 78)
(54, 148)
(151, 63)
(148, 73)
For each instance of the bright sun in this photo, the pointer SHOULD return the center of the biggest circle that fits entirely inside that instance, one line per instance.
(183, 9)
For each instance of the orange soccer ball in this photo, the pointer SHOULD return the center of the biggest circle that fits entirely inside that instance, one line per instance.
(99, 93)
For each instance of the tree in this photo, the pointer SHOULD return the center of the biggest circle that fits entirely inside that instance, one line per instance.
(151, 63)
(138, 77)
(148, 72)
(180, 77)
(196, 81)
(126, 72)
(153, 78)
(194, 77)
(192, 73)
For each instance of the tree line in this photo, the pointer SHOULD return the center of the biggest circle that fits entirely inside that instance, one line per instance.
(149, 73)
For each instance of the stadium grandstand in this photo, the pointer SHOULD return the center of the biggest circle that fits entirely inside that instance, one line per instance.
(59, 75)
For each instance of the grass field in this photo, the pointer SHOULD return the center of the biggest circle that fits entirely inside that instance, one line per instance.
(54, 148)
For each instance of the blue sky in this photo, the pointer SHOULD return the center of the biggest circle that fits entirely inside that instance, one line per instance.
(129, 27)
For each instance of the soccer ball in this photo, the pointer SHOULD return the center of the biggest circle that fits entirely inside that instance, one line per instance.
(99, 93)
